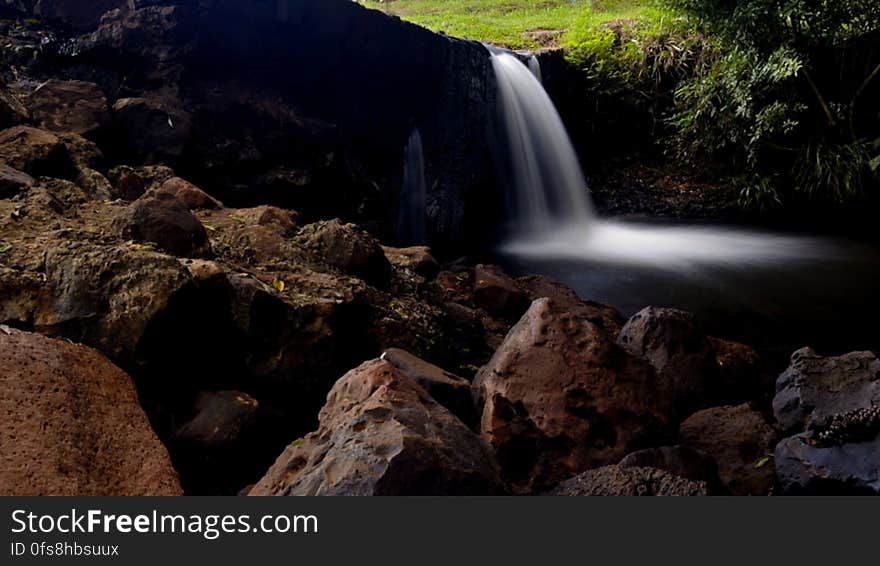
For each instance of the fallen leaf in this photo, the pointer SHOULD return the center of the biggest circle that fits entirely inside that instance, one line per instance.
(278, 285)
(5, 248)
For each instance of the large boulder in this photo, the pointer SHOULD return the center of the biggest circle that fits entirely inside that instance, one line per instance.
(681, 354)
(741, 442)
(815, 388)
(347, 248)
(559, 397)
(72, 424)
(69, 106)
(612, 481)
(381, 434)
(36, 152)
(161, 218)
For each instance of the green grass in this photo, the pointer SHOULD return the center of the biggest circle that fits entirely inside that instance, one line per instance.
(512, 23)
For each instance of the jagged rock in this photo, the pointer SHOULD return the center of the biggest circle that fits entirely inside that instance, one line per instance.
(69, 106)
(13, 181)
(72, 424)
(561, 397)
(190, 195)
(36, 152)
(348, 248)
(160, 218)
(681, 461)
(417, 259)
(381, 434)
(152, 129)
(498, 293)
(814, 388)
(741, 442)
(630, 481)
(449, 390)
(679, 352)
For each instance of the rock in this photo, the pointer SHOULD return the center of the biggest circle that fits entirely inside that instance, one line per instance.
(741, 442)
(814, 388)
(681, 461)
(679, 352)
(231, 431)
(538, 287)
(36, 152)
(498, 293)
(281, 221)
(449, 390)
(152, 129)
(561, 397)
(631, 481)
(739, 373)
(69, 106)
(131, 182)
(75, 13)
(381, 434)
(12, 112)
(848, 468)
(160, 218)
(95, 185)
(13, 181)
(190, 195)
(72, 424)
(417, 259)
(348, 248)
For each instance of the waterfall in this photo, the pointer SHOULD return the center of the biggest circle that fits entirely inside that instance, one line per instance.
(412, 213)
(548, 185)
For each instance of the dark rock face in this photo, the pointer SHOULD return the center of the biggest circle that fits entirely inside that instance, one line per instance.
(152, 129)
(682, 461)
(629, 481)
(381, 434)
(69, 106)
(559, 397)
(72, 424)
(36, 152)
(741, 442)
(78, 15)
(679, 352)
(162, 219)
(740, 377)
(815, 388)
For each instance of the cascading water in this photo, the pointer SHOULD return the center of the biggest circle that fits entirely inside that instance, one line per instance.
(412, 215)
(552, 215)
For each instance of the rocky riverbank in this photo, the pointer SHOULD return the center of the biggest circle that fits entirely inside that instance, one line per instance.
(181, 312)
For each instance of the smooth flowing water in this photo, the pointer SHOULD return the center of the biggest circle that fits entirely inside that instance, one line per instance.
(755, 285)
(412, 216)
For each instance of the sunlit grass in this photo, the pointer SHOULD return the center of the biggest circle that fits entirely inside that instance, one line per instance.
(512, 22)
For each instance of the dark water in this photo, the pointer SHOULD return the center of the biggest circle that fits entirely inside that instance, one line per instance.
(823, 295)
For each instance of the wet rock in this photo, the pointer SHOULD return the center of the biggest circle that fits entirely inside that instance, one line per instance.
(348, 248)
(417, 259)
(381, 434)
(679, 352)
(739, 373)
(498, 293)
(741, 442)
(36, 152)
(231, 431)
(449, 390)
(72, 424)
(815, 388)
(13, 181)
(160, 218)
(629, 481)
(561, 397)
(152, 129)
(69, 106)
(190, 195)
(681, 461)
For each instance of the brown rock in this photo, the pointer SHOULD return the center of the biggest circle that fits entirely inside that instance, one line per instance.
(12, 112)
(381, 434)
(538, 287)
(13, 181)
(281, 221)
(741, 442)
(679, 352)
(631, 481)
(417, 259)
(561, 397)
(160, 218)
(681, 461)
(348, 248)
(69, 106)
(72, 424)
(739, 373)
(448, 389)
(190, 195)
(36, 152)
(95, 184)
(498, 293)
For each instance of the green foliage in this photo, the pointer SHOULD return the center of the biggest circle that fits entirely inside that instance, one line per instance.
(838, 170)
